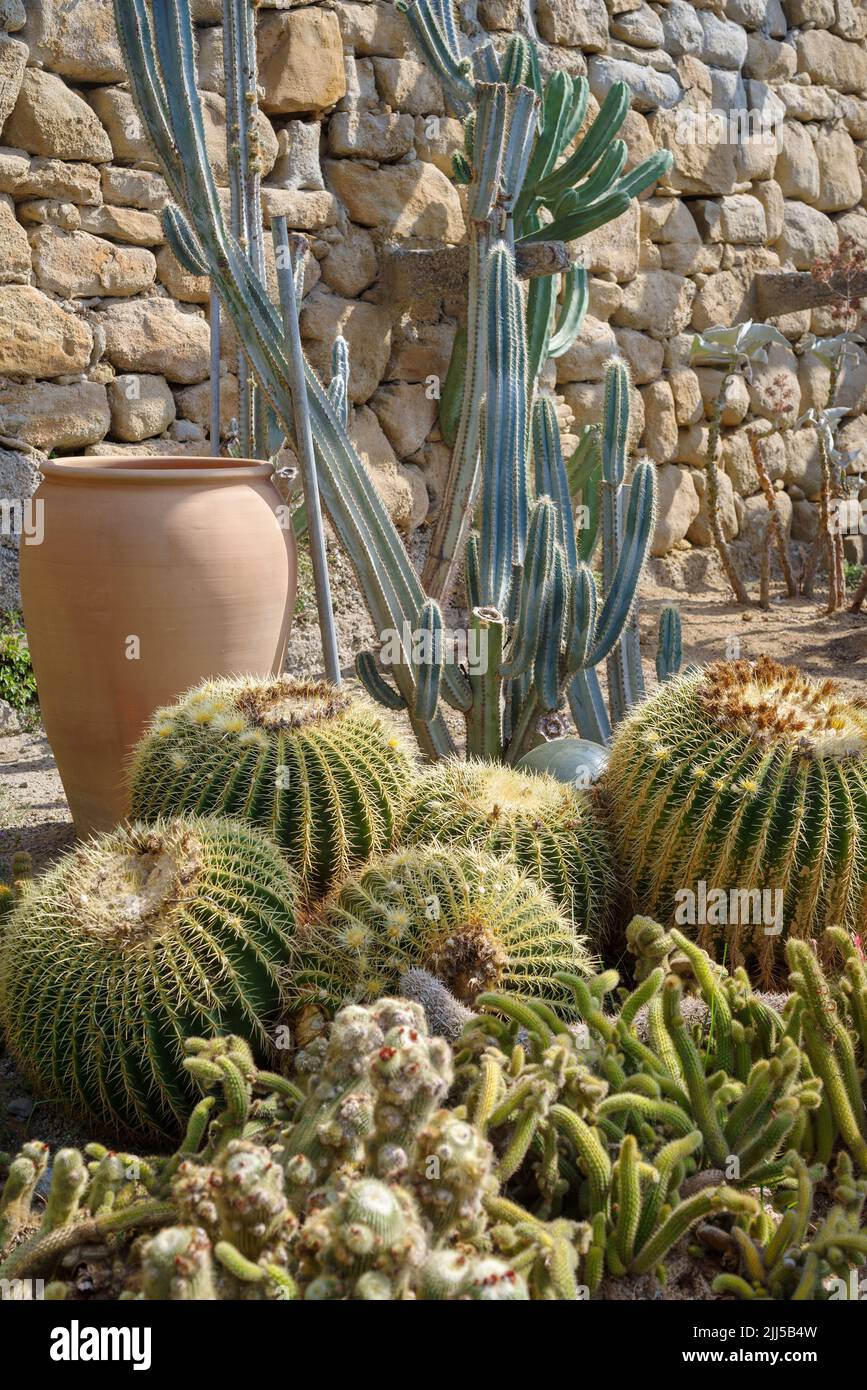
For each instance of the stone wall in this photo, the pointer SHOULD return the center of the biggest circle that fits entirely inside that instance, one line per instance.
(104, 339)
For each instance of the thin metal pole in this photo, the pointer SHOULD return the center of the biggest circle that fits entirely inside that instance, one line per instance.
(304, 441)
(215, 375)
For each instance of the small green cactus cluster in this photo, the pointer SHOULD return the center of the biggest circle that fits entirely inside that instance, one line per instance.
(550, 830)
(315, 767)
(471, 919)
(745, 782)
(654, 1114)
(800, 1263)
(832, 1011)
(349, 1181)
(537, 1159)
(128, 945)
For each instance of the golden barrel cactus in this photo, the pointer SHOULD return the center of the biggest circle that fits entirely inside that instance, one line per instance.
(739, 798)
(133, 942)
(318, 768)
(473, 920)
(549, 829)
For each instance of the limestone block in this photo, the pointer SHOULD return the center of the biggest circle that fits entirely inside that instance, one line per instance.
(51, 119)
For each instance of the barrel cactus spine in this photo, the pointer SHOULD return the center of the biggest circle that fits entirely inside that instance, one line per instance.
(471, 919)
(744, 784)
(129, 944)
(550, 830)
(318, 768)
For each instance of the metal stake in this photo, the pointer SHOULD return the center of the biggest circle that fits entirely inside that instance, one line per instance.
(215, 375)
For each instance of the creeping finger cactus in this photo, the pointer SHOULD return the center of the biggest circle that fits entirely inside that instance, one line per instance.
(801, 1260)
(834, 1022)
(17, 1195)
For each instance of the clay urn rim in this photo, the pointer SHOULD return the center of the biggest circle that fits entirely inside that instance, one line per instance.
(165, 468)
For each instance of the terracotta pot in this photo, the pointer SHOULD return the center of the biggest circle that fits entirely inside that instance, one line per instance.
(152, 574)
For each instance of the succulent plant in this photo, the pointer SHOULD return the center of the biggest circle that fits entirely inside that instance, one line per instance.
(833, 1019)
(177, 1264)
(129, 944)
(16, 1198)
(550, 830)
(317, 768)
(21, 870)
(505, 440)
(538, 1159)
(559, 1114)
(348, 1181)
(576, 761)
(798, 1263)
(747, 778)
(648, 1117)
(370, 1082)
(474, 921)
(446, 1016)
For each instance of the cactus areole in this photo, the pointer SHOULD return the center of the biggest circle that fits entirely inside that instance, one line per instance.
(739, 794)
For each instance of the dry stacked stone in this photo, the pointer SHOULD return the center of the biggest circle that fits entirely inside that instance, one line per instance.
(104, 337)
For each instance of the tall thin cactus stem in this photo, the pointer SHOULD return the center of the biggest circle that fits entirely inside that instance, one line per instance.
(286, 278)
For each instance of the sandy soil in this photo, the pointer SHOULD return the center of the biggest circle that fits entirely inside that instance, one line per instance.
(793, 630)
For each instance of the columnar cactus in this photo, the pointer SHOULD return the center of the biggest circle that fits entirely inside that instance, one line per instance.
(129, 944)
(24, 1173)
(366, 1243)
(743, 780)
(177, 1264)
(474, 921)
(559, 177)
(550, 830)
(804, 1259)
(317, 768)
(516, 131)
